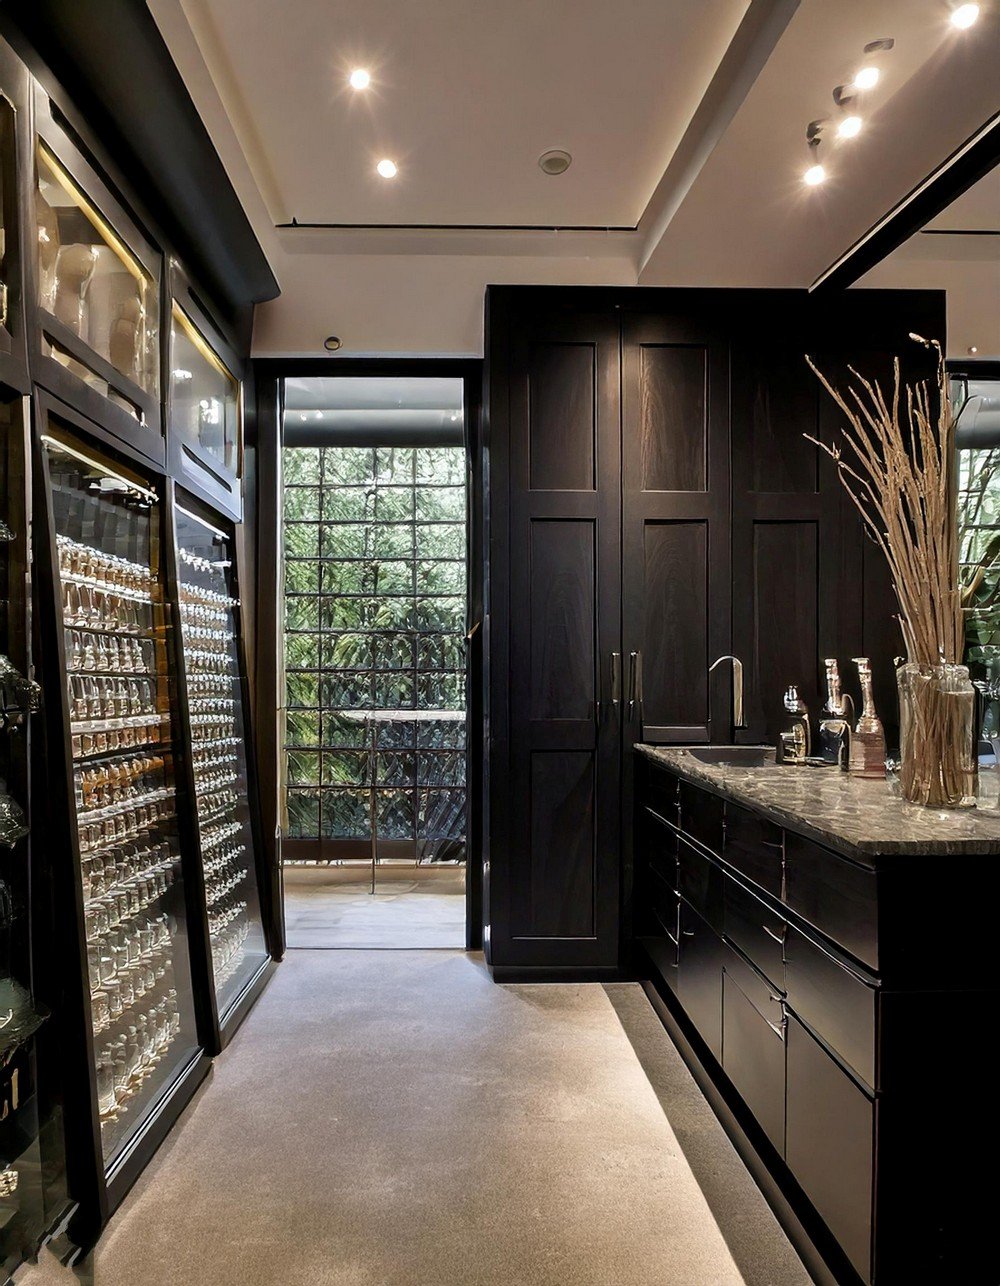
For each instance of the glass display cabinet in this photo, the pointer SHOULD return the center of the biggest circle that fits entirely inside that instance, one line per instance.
(13, 95)
(33, 1194)
(220, 762)
(205, 403)
(114, 660)
(97, 292)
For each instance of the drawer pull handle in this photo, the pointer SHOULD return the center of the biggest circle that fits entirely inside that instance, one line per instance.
(778, 937)
(687, 933)
(772, 843)
(777, 1028)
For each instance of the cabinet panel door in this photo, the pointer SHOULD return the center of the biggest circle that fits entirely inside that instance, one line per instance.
(699, 977)
(675, 525)
(830, 1144)
(753, 1045)
(561, 865)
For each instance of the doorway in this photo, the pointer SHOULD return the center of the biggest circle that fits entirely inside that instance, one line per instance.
(374, 754)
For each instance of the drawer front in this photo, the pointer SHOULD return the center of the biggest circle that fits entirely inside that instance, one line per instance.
(659, 846)
(835, 1002)
(702, 816)
(834, 895)
(754, 847)
(663, 902)
(830, 1144)
(757, 930)
(753, 1045)
(701, 882)
(661, 793)
(699, 977)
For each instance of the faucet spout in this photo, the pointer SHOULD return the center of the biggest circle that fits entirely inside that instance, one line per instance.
(738, 721)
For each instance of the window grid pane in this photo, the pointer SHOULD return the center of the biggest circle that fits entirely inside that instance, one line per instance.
(375, 583)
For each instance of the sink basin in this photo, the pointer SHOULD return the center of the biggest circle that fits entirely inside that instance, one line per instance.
(733, 756)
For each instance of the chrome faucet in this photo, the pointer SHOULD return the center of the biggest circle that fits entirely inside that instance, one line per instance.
(737, 688)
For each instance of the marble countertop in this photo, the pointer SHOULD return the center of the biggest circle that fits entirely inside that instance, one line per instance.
(860, 818)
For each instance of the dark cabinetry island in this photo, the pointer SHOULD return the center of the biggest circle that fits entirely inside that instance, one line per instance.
(822, 951)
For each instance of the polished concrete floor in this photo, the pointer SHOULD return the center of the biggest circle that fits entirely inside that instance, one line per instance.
(397, 1119)
(333, 906)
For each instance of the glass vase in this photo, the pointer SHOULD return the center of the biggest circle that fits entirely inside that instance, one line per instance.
(938, 737)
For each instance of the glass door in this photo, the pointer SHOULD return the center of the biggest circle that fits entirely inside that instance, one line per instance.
(210, 638)
(118, 677)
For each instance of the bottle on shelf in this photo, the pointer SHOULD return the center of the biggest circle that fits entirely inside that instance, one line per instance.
(867, 755)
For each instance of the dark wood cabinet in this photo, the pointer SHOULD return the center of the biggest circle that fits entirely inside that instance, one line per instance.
(814, 983)
(653, 505)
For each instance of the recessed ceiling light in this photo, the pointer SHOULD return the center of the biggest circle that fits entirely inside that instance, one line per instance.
(867, 78)
(359, 78)
(964, 16)
(555, 162)
(973, 350)
(849, 127)
(814, 175)
(388, 169)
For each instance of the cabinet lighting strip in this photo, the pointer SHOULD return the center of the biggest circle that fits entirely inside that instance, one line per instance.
(99, 464)
(195, 518)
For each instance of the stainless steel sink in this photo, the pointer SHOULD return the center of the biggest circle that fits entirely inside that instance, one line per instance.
(733, 756)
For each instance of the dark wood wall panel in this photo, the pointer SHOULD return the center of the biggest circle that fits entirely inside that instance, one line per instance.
(673, 409)
(562, 587)
(561, 411)
(554, 887)
(779, 398)
(675, 624)
(785, 605)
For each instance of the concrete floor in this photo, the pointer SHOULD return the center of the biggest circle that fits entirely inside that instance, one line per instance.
(397, 1119)
(332, 906)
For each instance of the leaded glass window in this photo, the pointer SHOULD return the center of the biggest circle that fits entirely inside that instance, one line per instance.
(375, 602)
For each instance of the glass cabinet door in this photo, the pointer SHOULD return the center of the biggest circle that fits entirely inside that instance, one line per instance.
(118, 682)
(204, 394)
(32, 1159)
(210, 640)
(100, 302)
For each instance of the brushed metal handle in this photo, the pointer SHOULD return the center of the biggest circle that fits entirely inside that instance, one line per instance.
(687, 933)
(3, 303)
(616, 679)
(778, 937)
(772, 843)
(631, 683)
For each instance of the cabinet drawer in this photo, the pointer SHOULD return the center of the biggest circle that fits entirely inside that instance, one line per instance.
(702, 816)
(754, 847)
(701, 883)
(836, 1003)
(659, 846)
(757, 930)
(835, 895)
(663, 902)
(699, 977)
(661, 794)
(830, 1144)
(753, 1045)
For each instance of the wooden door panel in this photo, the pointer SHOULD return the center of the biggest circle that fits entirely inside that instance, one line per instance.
(554, 877)
(675, 628)
(561, 624)
(673, 394)
(561, 406)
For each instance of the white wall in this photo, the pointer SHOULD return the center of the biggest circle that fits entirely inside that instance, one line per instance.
(973, 289)
(394, 303)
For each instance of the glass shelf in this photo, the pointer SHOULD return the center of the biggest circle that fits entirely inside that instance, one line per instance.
(209, 625)
(118, 692)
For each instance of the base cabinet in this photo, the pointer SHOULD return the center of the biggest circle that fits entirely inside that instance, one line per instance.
(830, 1143)
(865, 1070)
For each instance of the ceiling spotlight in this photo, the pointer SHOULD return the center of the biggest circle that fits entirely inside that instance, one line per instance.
(849, 127)
(332, 343)
(973, 350)
(359, 78)
(555, 162)
(867, 78)
(814, 176)
(388, 169)
(964, 16)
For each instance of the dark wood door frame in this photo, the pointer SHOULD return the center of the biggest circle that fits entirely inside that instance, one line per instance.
(269, 375)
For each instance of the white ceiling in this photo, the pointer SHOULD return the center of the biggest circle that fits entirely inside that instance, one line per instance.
(680, 121)
(465, 96)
